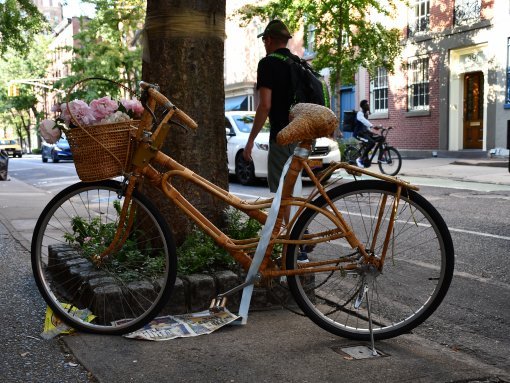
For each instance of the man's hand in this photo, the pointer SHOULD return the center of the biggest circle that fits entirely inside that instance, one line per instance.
(375, 129)
(247, 151)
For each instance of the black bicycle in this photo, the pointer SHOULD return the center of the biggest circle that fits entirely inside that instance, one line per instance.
(388, 158)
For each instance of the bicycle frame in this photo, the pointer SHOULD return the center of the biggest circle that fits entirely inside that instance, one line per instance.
(378, 146)
(148, 154)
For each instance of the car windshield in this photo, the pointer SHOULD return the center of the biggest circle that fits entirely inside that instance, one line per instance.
(7, 142)
(245, 122)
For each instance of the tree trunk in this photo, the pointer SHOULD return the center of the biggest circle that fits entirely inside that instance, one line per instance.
(183, 54)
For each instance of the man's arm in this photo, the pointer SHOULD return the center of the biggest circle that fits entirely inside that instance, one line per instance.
(260, 118)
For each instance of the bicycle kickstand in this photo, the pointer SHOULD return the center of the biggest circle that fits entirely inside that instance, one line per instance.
(364, 292)
(374, 351)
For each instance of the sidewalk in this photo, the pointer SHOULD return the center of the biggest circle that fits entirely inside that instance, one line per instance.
(275, 345)
(492, 171)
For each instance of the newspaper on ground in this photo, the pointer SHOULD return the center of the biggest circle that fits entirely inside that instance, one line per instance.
(182, 326)
(53, 326)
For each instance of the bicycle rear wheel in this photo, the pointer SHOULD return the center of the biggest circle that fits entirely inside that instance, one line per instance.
(122, 292)
(417, 271)
(390, 161)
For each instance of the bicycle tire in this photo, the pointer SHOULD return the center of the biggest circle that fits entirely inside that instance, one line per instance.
(123, 292)
(417, 271)
(351, 153)
(390, 161)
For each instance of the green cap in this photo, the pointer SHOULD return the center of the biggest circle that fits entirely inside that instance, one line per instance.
(276, 28)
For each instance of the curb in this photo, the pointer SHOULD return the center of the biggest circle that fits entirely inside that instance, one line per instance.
(191, 293)
(489, 163)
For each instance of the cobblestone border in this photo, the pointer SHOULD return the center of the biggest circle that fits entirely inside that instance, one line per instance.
(191, 293)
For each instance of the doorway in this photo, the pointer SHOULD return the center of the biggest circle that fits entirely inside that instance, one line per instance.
(473, 110)
(347, 103)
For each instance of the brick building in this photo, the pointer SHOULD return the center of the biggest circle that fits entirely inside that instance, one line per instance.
(51, 9)
(450, 91)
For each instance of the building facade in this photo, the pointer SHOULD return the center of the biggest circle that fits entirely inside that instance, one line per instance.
(450, 91)
(51, 9)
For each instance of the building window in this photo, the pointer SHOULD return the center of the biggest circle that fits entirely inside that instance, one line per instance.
(507, 98)
(419, 17)
(467, 11)
(418, 84)
(379, 91)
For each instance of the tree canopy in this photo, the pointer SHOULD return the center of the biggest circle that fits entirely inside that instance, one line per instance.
(107, 47)
(20, 20)
(345, 34)
(21, 111)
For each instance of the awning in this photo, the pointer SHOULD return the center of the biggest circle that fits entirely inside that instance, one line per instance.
(236, 103)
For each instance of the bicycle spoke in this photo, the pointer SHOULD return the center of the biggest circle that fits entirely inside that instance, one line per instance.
(121, 291)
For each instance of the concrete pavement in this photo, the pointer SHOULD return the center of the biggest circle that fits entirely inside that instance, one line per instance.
(275, 345)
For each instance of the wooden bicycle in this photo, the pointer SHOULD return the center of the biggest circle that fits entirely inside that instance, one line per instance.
(380, 256)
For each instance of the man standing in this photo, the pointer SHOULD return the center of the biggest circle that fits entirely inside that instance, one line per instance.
(275, 99)
(274, 86)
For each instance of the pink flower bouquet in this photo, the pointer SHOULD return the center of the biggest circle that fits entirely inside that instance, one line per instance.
(100, 111)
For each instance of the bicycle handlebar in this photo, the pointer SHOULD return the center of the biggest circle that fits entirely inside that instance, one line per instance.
(161, 99)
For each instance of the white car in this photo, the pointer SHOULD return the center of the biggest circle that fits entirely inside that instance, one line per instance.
(238, 126)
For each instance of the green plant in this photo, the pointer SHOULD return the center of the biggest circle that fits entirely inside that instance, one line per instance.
(200, 254)
(36, 151)
(128, 263)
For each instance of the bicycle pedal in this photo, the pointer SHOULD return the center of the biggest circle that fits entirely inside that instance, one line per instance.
(218, 305)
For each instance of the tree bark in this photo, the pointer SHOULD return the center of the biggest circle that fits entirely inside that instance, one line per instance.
(183, 54)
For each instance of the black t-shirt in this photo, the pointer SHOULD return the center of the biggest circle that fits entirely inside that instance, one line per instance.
(274, 73)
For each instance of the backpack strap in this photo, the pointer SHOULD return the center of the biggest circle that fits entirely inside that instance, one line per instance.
(289, 61)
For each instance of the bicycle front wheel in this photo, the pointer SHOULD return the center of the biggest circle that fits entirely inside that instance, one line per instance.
(417, 271)
(390, 161)
(114, 295)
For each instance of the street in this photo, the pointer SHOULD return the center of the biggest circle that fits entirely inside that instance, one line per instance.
(473, 320)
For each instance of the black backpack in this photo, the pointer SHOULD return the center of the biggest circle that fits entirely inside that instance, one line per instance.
(349, 120)
(306, 83)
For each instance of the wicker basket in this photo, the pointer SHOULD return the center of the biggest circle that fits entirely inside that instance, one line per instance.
(102, 151)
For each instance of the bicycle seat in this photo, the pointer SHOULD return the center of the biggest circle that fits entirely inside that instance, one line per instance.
(307, 122)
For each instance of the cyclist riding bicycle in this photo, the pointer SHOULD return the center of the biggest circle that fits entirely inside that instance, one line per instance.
(363, 130)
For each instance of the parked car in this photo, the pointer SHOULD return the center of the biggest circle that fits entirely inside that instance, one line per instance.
(238, 125)
(57, 151)
(11, 146)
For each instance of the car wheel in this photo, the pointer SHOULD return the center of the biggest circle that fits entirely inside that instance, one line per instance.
(44, 159)
(245, 171)
(55, 158)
